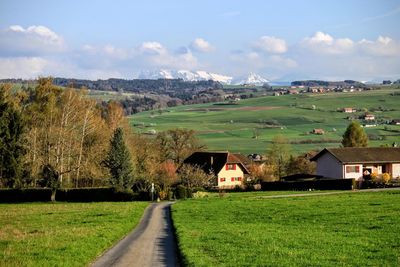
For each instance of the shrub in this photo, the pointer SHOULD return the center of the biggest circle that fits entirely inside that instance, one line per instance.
(200, 194)
(163, 195)
(386, 177)
(375, 177)
(181, 192)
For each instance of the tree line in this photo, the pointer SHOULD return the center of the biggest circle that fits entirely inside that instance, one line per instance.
(53, 137)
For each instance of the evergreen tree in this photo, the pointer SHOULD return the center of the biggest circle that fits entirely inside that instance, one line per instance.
(118, 161)
(355, 136)
(11, 143)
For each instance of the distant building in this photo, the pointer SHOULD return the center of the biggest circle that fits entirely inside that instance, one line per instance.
(318, 131)
(369, 117)
(349, 110)
(395, 122)
(292, 92)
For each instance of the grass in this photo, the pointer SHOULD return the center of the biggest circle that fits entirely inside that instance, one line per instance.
(354, 229)
(231, 127)
(63, 234)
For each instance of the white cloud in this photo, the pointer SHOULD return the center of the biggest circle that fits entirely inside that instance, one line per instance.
(326, 44)
(152, 48)
(32, 41)
(155, 55)
(271, 44)
(201, 45)
(22, 67)
(383, 46)
(271, 65)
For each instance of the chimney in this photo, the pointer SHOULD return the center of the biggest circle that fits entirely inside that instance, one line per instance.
(212, 161)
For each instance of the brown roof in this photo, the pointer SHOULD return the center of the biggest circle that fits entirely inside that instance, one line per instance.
(214, 161)
(363, 154)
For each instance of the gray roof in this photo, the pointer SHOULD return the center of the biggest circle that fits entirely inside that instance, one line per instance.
(363, 154)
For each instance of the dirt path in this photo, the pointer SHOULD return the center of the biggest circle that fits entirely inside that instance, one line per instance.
(151, 243)
(330, 193)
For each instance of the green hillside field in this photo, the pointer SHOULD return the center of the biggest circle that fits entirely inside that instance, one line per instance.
(223, 126)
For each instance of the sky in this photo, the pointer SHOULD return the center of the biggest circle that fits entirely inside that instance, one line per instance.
(280, 40)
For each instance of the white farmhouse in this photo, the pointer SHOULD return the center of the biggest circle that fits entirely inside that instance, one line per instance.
(229, 168)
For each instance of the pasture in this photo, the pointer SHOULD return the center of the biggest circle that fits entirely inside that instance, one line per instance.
(250, 125)
(63, 234)
(243, 229)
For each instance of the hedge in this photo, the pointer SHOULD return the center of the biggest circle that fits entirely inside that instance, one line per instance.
(320, 184)
(70, 195)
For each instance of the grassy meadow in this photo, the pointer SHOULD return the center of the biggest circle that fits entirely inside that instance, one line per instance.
(63, 234)
(242, 229)
(232, 127)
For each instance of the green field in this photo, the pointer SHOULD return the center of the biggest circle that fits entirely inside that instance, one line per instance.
(231, 127)
(350, 229)
(63, 234)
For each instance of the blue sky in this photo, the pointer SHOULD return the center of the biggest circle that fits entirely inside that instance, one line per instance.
(280, 40)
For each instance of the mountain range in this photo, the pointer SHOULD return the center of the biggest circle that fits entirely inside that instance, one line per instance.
(199, 75)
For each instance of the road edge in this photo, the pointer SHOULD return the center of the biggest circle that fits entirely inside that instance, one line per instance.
(126, 239)
(181, 258)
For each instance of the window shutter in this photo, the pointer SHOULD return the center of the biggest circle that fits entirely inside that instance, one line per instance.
(234, 166)
(226, 167)
(232, 179)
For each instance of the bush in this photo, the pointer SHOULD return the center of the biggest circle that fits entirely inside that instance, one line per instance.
(181, 192)
(386, 177)
(200, 194)
(163, 195)
(375, 177)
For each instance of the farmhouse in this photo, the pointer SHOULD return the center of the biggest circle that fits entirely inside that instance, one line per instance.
(395, 122)
(318, 131)
(349, 110)
(357, 163)
(369, 117)
(292, 92)
(229, 168)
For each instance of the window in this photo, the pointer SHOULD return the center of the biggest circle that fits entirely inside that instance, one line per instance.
(230, 167)
(232, 179)
(352, 168)
(222, 180)
(237, 179)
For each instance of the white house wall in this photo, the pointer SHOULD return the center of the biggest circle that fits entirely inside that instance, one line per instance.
(396, 170)
(355, 175)
(329, 166)
(228, 174)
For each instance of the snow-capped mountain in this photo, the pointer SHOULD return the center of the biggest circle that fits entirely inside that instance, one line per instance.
(200, 75)
(185, 75)
(253, 79)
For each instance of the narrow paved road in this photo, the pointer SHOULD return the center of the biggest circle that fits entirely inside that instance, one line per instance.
(151, 243)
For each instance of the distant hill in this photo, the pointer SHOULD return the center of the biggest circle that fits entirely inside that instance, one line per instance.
(345, 83)
(162, 86)
(144, 94)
